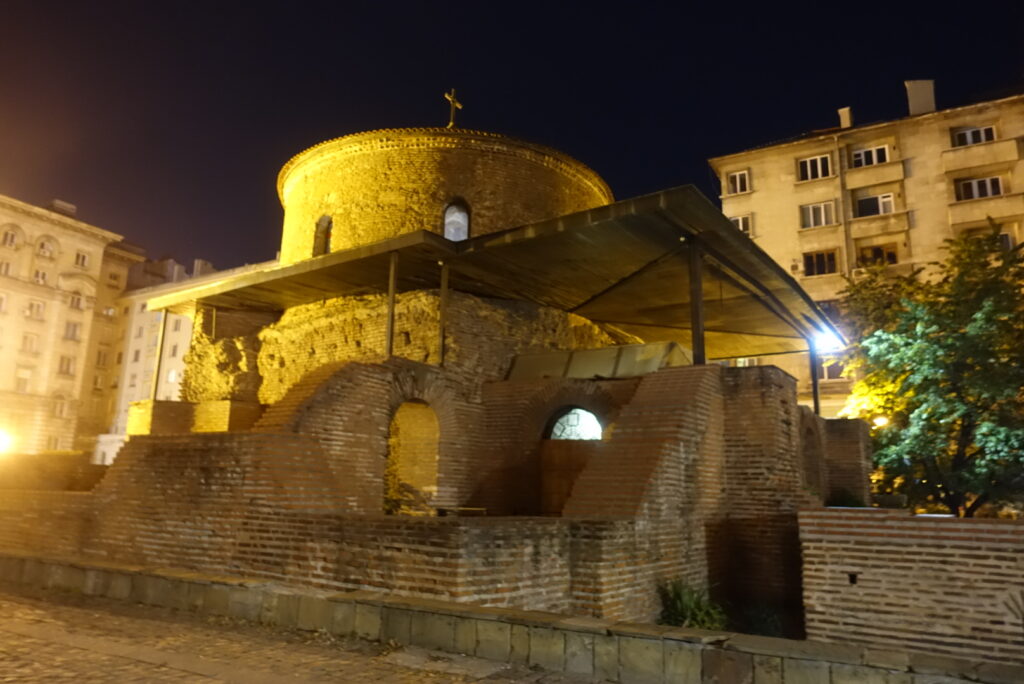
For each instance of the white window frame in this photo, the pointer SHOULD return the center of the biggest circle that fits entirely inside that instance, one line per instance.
(67, 366)
(39, 277)
(10, 238)
(978, 188)
(81, 260)
(30, 343)
(737, 182)
(813, 168)
(72, 331)
(973, 135)
(818, 214)
(5, 268)
(885, 202)
(36, 310)
(744, 224)
(869, 156)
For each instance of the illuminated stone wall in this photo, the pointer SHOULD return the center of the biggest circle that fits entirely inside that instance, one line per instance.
(380, 184)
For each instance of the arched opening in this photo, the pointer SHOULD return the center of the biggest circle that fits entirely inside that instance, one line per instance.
(410, 473)
(456, 221)
(572, 438)
(322, 235)
(575, 423)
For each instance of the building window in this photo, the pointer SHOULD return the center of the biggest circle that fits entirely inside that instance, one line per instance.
(172, 375)
(52, 442)
(745, 362)
(976, 188)
(72, 331)
(10, 238)
(738, 182)
(60, 407)
(135, 356)
(39, 277)
(875, 205)
(322, 235)
(174, 351)
(114, 278)
(97, 382)
(456, 221)
(973, 135)
(814, 167)
(819, 263)
(23, 380)
(30, 343)
(75, 301)
(877, 254)
(3, 302)
(102, 357)
(742, 223)
(829, 368)
(120, 357)
(5, 268)
(45, 249)
(820, 214)
(81, 260)
(67, 365)
(138, 332)
(177, 325)
(35, 310)
(132, 379)
(870, 156)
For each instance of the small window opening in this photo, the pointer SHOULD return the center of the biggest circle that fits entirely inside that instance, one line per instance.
(576, 423)
(456, 221)
(852, 577)
(322, 236)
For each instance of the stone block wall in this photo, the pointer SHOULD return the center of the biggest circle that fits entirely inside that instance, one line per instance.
(931, 584)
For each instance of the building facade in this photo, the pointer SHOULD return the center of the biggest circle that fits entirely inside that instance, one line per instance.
(59, 281)
(834, 201)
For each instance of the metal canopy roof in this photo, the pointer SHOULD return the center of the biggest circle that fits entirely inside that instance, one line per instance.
(625, 264)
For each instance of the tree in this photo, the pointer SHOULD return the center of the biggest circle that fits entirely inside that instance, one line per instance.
(941, 357)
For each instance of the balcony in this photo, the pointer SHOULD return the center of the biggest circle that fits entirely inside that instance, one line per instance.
(875, 174)
(983, 154)
(880, 224)
(977, 211)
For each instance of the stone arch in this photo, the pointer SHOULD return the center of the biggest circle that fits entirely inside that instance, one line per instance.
(410, 471)
(574, 423)
(47, 246)
(14, 230)
(456, 220)
(322, 235)
(545, 405)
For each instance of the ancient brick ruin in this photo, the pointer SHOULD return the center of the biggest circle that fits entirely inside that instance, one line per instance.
(352, 421)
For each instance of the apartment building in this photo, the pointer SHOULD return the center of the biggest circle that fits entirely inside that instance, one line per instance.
(59, 280)
(830, 202)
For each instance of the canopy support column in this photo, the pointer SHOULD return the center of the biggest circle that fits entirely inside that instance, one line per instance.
(442, 313)
(815, 389)
(392, 286)
(696, 303)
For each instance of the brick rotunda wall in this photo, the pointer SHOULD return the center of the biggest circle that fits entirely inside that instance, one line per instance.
(932, 584)
(380, 184)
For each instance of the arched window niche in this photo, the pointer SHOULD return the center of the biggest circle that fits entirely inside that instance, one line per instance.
(575, 423)
(456, 221)
(410, 473)
(322, 235)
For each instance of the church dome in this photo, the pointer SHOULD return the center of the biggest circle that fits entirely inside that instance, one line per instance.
(368, 187)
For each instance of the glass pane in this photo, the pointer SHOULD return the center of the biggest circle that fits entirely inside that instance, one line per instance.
(831, 262)
(881, 155)
(824, 167)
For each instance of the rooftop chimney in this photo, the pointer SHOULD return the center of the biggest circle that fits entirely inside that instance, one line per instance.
(920, 96)
(62, 207)
(845, 117)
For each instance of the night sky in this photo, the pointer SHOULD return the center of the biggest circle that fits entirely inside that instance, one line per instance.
(169, 122)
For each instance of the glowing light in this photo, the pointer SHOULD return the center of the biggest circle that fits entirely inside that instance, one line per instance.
(6, 442)
(880, 421)
(827, 342)
(577, 424)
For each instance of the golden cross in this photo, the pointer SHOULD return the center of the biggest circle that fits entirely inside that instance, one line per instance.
(454, 104)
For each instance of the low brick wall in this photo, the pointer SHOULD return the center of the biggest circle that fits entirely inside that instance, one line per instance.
(612, 651)
(933, 584)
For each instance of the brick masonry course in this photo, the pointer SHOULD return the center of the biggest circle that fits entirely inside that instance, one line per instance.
(615, 651)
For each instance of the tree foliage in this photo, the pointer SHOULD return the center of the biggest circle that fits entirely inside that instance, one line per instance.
(941, 356)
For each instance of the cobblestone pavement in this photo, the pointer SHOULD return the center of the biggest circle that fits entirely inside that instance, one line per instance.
(54, 637)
